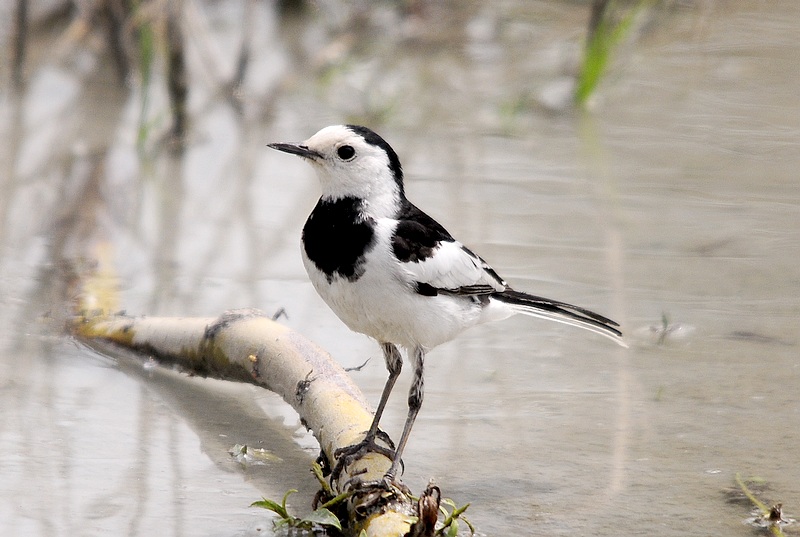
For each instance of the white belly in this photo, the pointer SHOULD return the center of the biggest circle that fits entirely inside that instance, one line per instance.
(383, 304)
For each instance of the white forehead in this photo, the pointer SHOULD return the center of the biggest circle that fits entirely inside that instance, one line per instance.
(333, 137)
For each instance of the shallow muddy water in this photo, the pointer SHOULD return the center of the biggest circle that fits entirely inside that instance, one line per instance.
(671, 205)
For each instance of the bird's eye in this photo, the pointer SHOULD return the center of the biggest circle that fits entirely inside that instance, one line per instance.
(346, 152)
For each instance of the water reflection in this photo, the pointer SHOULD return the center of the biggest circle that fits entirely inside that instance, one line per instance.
(673, 204)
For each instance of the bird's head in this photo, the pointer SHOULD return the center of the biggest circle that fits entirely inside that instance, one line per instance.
(352, 161)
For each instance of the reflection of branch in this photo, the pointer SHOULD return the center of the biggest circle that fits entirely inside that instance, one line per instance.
(200, 404)
(600, 175)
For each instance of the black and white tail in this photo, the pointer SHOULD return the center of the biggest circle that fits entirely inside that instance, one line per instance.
(562, 312)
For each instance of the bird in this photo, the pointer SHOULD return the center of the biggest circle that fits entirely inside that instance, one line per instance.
(390, 271)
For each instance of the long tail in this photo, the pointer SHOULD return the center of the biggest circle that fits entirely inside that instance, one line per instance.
(561, 312)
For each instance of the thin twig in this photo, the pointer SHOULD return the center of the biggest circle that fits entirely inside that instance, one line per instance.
(19, 42)
(243, 59)
(115, 14)
(176, 77)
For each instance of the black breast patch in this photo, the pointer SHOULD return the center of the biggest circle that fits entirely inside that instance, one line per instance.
(337, 236)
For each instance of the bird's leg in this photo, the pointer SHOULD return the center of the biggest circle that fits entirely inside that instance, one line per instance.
(394, 363)
(345, 455)
(415, 395)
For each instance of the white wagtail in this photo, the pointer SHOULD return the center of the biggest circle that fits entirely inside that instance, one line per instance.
(390, 271)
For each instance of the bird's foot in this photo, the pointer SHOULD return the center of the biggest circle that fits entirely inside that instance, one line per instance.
(347, 455)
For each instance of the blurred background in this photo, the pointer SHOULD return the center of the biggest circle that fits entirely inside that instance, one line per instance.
(637, 158)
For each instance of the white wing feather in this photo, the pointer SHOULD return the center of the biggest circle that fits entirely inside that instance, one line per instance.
(452, 267)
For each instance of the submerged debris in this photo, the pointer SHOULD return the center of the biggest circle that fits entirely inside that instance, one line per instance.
(773, 517)
(658, 334)
(755, 337)
(247, 456)
(763, 517)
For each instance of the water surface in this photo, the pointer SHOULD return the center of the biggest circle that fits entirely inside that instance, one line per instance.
(673, 199)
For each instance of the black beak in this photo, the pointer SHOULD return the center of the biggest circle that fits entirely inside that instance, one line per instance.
(296, 149)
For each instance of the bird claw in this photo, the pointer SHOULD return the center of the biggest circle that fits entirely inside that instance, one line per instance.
(345, 456)
(385, 438)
